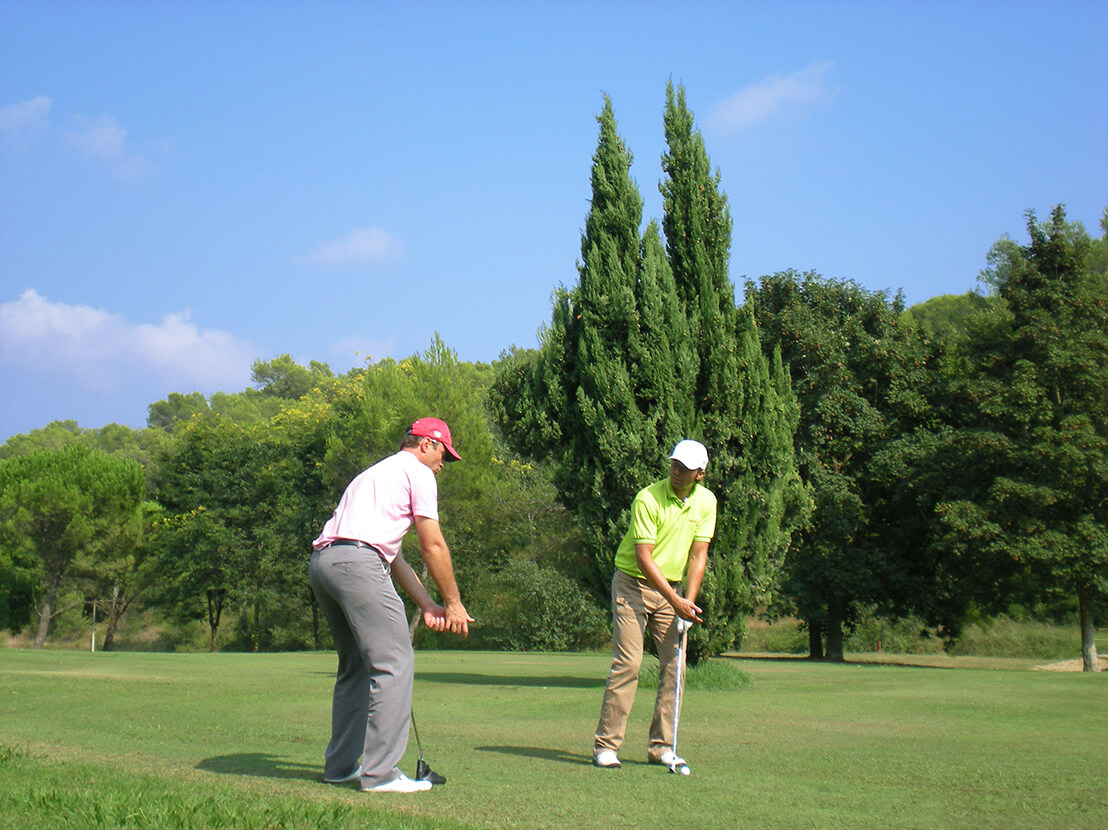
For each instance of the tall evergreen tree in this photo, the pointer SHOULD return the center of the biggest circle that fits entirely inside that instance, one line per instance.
(609, 392)
(744, 409)
(604, 458)
(648, 348)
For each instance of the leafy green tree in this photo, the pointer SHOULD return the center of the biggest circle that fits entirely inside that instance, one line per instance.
(1098, 248)
(18, 580)
(283, 377)
(539, 608)
(860, 375)
(200, 551)
(68, 507)
(1033, 421)
(53, 436)
(143, 446)
(118, 582)
(949, 316)
(246, 501)
(176, 408)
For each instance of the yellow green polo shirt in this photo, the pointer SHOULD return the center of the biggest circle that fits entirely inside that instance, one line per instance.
(659, 518)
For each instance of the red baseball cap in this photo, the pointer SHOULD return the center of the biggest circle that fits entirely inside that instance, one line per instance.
(439, 431)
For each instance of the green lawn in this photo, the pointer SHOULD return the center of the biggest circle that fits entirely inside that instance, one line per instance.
(235, 740)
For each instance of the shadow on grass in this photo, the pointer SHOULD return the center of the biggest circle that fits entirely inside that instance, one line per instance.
(469, 679)
(539, 752)
(259, 765)
(923, 662)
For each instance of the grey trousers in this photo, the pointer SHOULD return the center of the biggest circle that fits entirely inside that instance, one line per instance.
(371, 705)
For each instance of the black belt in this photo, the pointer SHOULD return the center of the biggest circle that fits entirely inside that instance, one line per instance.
(358, 543)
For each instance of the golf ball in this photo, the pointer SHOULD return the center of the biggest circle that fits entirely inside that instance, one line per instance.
(683, 769)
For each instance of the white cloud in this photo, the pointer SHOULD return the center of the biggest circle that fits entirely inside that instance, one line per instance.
(100, 352)
(22, 122)
(105, 140)
(759, 102)
(362, 246)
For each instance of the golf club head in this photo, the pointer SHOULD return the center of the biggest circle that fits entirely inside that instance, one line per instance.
(425, 773)
(679, 769)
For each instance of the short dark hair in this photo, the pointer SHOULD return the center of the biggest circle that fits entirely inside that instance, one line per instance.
(410, 442)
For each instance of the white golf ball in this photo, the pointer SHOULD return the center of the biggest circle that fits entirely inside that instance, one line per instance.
(684, 770)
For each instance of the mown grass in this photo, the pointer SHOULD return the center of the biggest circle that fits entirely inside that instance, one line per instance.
(995, 637)
(235, 740)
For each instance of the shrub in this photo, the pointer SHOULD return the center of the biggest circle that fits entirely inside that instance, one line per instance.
(714, 675)
(1004, 637)
(531, 607)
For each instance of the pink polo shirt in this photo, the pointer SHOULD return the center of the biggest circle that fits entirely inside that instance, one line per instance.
(381, 503)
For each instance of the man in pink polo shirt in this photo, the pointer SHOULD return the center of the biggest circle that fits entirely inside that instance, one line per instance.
(350, 569)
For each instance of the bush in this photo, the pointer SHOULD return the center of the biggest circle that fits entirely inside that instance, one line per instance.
(531, 607)
(1004, 637)
(904, 636)
(785, 636)
(713, 675)
(996, 637)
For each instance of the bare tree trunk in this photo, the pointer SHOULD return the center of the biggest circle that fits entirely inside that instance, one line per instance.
(44, 622)
(1089, 658)
(115, 611)
(834, 631)
(47, 612)
(815, 641)
(215, 611)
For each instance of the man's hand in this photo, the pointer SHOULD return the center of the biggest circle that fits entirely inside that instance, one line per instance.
(686, 609)
(434, 617)
(453, 619)
(457, 619)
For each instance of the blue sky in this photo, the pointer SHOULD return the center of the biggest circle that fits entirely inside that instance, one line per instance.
(186, 187)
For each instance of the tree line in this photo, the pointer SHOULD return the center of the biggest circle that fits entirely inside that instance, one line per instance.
(943, 461)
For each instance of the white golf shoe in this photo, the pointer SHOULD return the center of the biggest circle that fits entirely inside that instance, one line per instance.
(675, 762)
(605, 758)
(400, 784)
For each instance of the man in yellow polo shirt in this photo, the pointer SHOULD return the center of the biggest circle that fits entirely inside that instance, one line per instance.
(672, 523)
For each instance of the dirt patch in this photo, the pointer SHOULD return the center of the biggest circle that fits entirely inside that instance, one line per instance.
(1070, 665)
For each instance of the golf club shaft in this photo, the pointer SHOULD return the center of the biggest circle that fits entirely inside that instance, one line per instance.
(415, 729)
(681, 634)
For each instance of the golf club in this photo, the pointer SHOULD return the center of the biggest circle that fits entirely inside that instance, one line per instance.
(683, 627)
(423, 769)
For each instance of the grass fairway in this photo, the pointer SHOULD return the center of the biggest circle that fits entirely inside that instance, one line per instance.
(236, 740)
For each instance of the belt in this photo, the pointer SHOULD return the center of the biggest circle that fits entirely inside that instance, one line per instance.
(357, 543)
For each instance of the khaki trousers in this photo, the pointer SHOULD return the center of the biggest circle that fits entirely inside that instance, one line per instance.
(636, 607)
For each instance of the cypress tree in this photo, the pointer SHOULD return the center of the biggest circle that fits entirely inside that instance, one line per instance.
(648, 348)
(744, 410)
(588, 363)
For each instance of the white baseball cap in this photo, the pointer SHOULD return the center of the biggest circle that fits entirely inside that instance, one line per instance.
(692, 454)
